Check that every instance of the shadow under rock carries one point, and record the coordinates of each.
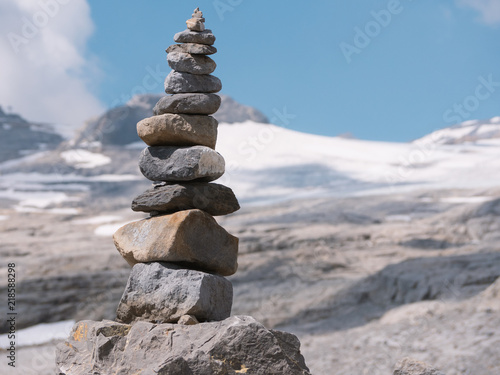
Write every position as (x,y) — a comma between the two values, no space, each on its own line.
(414,280)
(429,244)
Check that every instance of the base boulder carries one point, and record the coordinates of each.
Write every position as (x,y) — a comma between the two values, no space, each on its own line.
(237,345)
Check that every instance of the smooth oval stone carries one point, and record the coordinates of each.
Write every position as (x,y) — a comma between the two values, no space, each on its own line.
(214,199)
(194,48)
(193,104)
(194,64)
(178,130)
(201,37)
(179,82)
(178,164)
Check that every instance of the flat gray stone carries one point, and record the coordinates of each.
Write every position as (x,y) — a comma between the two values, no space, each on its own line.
(214,199)
(191,104)
(200,37)
(180,82)
(237,345)
(193,48)
(188,63)
(163,292)
(192,238)
(178,130)
(178,164)
(410,366)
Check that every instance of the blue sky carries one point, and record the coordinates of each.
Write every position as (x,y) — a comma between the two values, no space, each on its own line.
(381,70)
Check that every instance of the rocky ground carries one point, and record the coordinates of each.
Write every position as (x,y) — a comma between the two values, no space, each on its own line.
(363,281)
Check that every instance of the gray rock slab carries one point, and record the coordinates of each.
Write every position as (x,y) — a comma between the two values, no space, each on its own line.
(163,292)
(214,199)
(178,130)
(191,104)
(178,164)
(188,63)
(237,345)
(180,82)
(193,48)
(410,366)
(189,36)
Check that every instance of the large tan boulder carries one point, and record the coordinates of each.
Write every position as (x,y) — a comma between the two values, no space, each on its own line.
(192,238)
(178,130)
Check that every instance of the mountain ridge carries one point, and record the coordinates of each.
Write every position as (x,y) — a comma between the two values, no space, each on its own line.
(117,126)
(19,137)
(468,131)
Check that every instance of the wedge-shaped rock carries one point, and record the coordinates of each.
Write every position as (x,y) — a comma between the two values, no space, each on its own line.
(194,64)
(196,24)
(177,164)
(163,292)
(190,237)
(214,199)
(179,82)
(194,48)
(178,130)
(188,36)
(192,104)
(237,345)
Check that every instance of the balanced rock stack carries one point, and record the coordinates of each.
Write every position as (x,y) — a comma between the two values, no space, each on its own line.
(180,254)
(174,315)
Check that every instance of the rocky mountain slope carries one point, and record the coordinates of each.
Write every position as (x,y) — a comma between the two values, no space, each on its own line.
(19,137)
(362,281)
(368,251)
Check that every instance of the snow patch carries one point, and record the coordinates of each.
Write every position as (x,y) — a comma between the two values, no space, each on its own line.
(114,178)
(267,164)
(398,218)
(39,334)
(35,199)
(468,131)
(14,179)
(84,159)
(477,199)
(139,145)
(108,230)
(3,217)
(55,211)
(97,220)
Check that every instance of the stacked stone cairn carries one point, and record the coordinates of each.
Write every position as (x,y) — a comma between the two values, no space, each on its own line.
(174,315)
(180,254)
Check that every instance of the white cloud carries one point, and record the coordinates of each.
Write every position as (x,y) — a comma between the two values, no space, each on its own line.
(45,69)
(489,9)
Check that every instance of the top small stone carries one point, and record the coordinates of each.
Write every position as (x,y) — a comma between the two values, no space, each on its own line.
(197,22)
(198,14)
